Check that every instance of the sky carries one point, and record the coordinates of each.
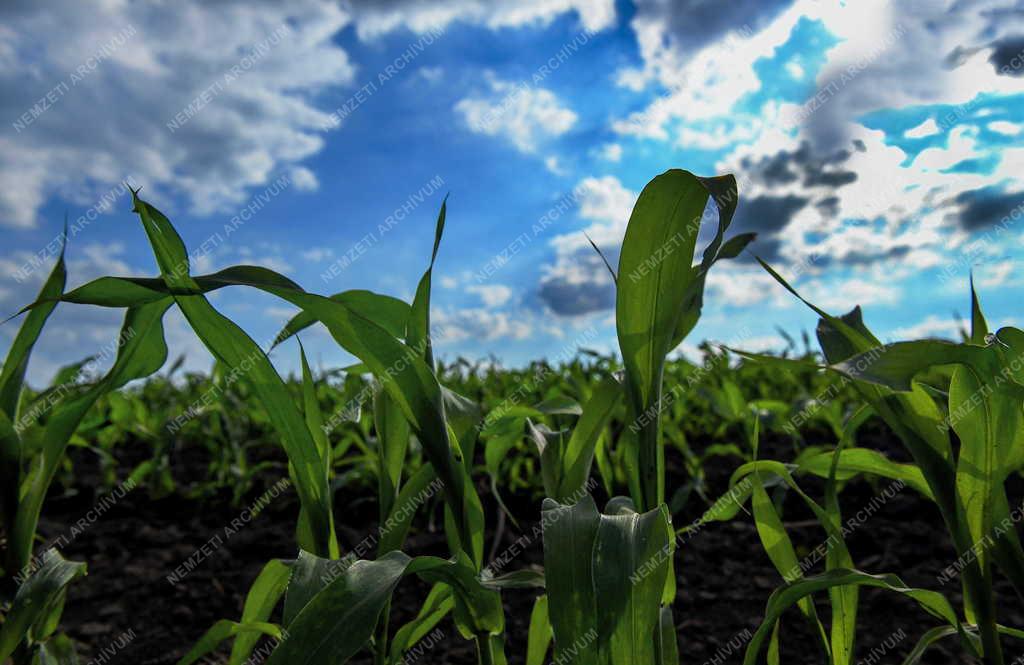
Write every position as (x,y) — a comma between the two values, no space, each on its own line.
(878,146)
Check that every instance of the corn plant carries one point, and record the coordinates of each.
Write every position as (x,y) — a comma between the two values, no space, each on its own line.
(34,434)
(331,609)
(609,576)
(925,391)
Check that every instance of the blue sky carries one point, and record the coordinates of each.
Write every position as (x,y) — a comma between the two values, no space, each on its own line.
(878,146)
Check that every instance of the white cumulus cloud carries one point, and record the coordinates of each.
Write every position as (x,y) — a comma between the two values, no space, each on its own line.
(524,115)
(197,100)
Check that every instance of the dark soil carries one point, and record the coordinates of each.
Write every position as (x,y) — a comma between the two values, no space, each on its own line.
(724,576)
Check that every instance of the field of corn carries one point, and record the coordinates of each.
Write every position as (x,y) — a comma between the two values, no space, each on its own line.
(843,502)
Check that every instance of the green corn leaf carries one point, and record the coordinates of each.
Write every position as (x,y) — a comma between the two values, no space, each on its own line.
(607,265)
(979,327)
(309,575)
(233,347)
(418,330)
(491,650)
(539,635)
(58,650)
(632,560)
(12,375)
(527,578)
(728,402)
(263,597)
(927,640)
(1007,551)
(389,313)
(46,624)
(416,491)
(895,365)
(478,611)
(550,446)
(659,294)
(1009,342)
(578,455)
(570,534)
(772,654)
(605,577)
(913,416)
(916,420)
(438,604)
(655,277)
(844,599)
(725,193)
(549,407)
(853,461)
(982,435)
(393,435)
(604,463)
(667,641)
(505,435)
(840,337)
(34,597)
(558,406)
(314,421)
(789,364)
(463,416)
(787,595)
(142,351)
(736,245)
(727,506)
(12,379)
(11,447)
(338,618)
(311,409)
(985,412)
(66,374)
(226,629)
(780,550)
(409,380)
(939,633)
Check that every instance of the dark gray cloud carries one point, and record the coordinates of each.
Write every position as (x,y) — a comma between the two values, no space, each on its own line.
(894,73)
(829,178)
(788,166)
(573,296)
(1008,56)
(693,24)
(828,206)
(857,258)
(983,208)
(766,216)
(773,170)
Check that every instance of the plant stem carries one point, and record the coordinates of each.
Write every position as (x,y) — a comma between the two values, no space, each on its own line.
(483,646)
(381,655)
(651,455)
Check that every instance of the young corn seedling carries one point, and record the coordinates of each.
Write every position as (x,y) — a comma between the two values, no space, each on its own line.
(332,606)
(924,390)
(34,435)
(609,577)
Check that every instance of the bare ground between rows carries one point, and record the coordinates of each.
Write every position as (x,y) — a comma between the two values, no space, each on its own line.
(724,576)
